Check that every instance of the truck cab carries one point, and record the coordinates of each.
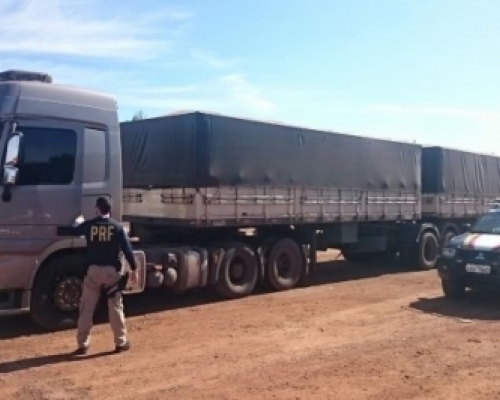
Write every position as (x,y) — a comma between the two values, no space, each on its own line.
(472,259)
(60,149)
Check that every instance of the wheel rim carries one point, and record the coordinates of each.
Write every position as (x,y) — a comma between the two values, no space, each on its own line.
(67,293)
(284,265)
(237,271)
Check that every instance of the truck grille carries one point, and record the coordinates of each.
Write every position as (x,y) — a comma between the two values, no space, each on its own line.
(478,256)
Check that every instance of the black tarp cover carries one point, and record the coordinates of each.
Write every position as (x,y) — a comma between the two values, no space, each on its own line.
(207,150)
(459,172)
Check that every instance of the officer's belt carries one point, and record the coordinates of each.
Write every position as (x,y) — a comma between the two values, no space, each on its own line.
(118,286)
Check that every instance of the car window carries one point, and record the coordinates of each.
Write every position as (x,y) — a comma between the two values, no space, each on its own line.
(489,223)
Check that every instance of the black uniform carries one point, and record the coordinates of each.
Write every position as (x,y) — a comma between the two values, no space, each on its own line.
(105,238)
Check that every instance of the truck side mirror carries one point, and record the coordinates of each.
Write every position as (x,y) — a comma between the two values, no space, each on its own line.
(11,165)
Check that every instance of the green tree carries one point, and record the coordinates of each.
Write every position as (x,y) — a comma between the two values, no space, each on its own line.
(138,115)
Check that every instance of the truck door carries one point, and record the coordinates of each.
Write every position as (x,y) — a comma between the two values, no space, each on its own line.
(47,193)
(95,173)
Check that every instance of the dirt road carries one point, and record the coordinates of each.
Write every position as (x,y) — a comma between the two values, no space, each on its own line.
(356,333)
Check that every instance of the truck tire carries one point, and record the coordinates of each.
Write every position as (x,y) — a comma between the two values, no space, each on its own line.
(285,265)
(262,252)
(427,251)
(448,235)
(453,288)
(56,293)
(238,272)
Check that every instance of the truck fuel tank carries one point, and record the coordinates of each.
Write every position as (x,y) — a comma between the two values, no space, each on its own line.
(179,268)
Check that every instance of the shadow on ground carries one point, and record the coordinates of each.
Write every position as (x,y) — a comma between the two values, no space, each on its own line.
(160,300)
(41,361)
(476,305)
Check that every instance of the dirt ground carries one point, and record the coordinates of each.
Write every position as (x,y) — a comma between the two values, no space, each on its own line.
(357,332)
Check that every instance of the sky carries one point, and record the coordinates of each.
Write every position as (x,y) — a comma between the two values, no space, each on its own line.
(424,71)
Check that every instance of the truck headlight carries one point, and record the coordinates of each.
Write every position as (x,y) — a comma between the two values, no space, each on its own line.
(449,252)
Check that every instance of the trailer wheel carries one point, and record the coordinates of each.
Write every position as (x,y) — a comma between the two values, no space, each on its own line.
(448,235)
(238,272)
(428,251)
(55,297)
(263,251)
(285,265)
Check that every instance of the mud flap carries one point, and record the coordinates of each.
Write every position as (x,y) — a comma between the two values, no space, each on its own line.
(140,285)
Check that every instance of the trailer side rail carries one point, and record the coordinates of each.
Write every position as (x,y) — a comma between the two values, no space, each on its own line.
(266,204)
(456,205)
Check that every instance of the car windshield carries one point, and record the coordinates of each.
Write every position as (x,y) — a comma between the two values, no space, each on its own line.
(489,223)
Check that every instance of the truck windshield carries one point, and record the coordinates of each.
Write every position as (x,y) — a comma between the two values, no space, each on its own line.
(489,223)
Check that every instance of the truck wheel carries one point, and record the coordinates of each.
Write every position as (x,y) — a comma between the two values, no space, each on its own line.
(285,265)
(263,251)
(238,272)
(448,235)
(428,251)
(453,288)
(55,297)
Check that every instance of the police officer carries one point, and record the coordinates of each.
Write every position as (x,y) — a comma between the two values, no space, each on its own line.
(105,238)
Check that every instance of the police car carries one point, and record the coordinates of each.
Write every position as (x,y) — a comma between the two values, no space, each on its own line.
(472,259)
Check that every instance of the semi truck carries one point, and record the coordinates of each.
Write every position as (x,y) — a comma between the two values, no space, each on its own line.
(211,201)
